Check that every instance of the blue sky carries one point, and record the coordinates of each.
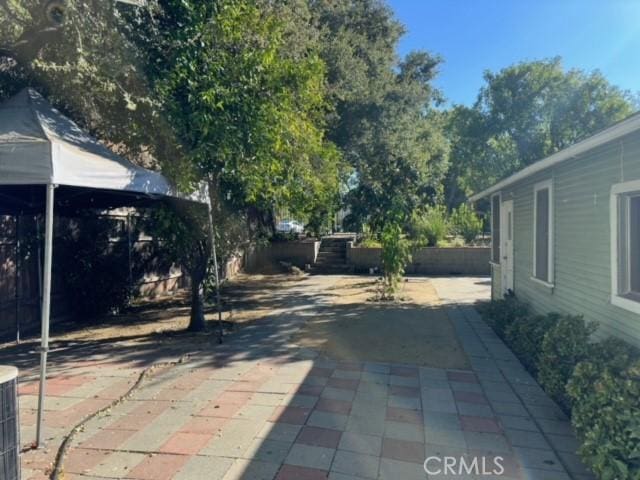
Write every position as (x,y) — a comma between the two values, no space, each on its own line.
(475,35)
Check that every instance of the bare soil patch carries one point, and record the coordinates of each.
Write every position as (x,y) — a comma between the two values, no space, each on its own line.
(416,330)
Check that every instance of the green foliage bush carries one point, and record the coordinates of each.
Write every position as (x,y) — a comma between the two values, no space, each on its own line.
(466,223)
(500,314)
(370,242)
(565,345)
(429,227)
(605,393)
(525,335)
(396,253)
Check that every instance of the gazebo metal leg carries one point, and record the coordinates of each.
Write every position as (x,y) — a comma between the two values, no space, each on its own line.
(46,308)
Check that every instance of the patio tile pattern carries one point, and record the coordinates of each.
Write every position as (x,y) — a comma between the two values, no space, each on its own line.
(287,413)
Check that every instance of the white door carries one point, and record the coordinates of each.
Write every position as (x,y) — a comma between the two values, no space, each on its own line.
(506,245)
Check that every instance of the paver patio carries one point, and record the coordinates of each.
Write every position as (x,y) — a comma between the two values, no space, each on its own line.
(261,407)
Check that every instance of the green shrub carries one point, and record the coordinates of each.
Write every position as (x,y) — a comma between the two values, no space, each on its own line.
(566,344)
(395,256)
(605,392)
(466,223)
(500,314)
(430,227)
(370,242)
(525,336)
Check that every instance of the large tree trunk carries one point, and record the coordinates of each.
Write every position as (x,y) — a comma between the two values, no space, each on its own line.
(197,322)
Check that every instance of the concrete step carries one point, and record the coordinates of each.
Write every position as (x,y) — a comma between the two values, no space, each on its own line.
(331,259)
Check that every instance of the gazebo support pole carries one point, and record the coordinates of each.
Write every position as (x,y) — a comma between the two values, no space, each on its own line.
(212,240)
(46,307)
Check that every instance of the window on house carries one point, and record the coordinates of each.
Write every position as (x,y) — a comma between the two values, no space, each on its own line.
(495,228)
(628,284)
(543,233)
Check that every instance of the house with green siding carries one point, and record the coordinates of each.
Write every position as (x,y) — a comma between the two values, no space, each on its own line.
(566,231)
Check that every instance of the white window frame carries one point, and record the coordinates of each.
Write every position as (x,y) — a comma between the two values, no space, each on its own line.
(618,191)
(546,184)
(492,260)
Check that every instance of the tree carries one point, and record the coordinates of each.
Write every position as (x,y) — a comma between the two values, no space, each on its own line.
(384,121)
(248,114)
(524,113)
(181,233)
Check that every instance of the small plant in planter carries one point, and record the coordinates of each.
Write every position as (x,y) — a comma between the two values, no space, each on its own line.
(396,254)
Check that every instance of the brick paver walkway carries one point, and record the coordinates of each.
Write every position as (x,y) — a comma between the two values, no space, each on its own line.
(258,407)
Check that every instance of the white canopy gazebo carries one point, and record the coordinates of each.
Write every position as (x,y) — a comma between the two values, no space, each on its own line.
(47,162)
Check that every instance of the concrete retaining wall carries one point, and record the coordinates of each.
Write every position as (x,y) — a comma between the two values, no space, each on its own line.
(428,261)
(296,253)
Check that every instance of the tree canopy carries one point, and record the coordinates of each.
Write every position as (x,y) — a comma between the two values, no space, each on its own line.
(384,119)
(524,113)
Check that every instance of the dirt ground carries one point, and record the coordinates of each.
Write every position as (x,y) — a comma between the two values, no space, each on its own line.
(348,325)
(415,330)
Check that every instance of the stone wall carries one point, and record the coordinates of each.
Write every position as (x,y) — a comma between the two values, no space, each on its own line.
(428,261)
(298,253)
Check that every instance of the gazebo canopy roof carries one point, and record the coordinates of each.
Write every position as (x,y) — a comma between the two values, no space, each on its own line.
(39,146)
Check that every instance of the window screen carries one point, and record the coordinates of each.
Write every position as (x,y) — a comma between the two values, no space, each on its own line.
(634,244)
(542,241)
(495,228)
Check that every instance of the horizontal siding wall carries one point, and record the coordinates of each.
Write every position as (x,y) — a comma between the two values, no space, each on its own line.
(581,189)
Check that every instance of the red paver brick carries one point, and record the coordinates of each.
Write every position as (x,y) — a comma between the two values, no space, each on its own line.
(52,389)
(401,391)
(310,389)
(353,366)
(333,406)
(470,397)
(80,460)
(467,377)
(224,410)
(404,415)
(345,383)
(140,416)
(107,439)
(320,372)
(479,424)
(204,425)
(245,386)
(76,380)
(403,450)
(28,388)
(40,459)
(237,398)
(186,443)
(293,415)
(319,437)
(158,467)
(404,371)
(293,472)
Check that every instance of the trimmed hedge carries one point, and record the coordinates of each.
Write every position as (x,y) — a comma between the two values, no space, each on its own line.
(605,393)
(565,345)
(597,382)
(525,336)
(500,314)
